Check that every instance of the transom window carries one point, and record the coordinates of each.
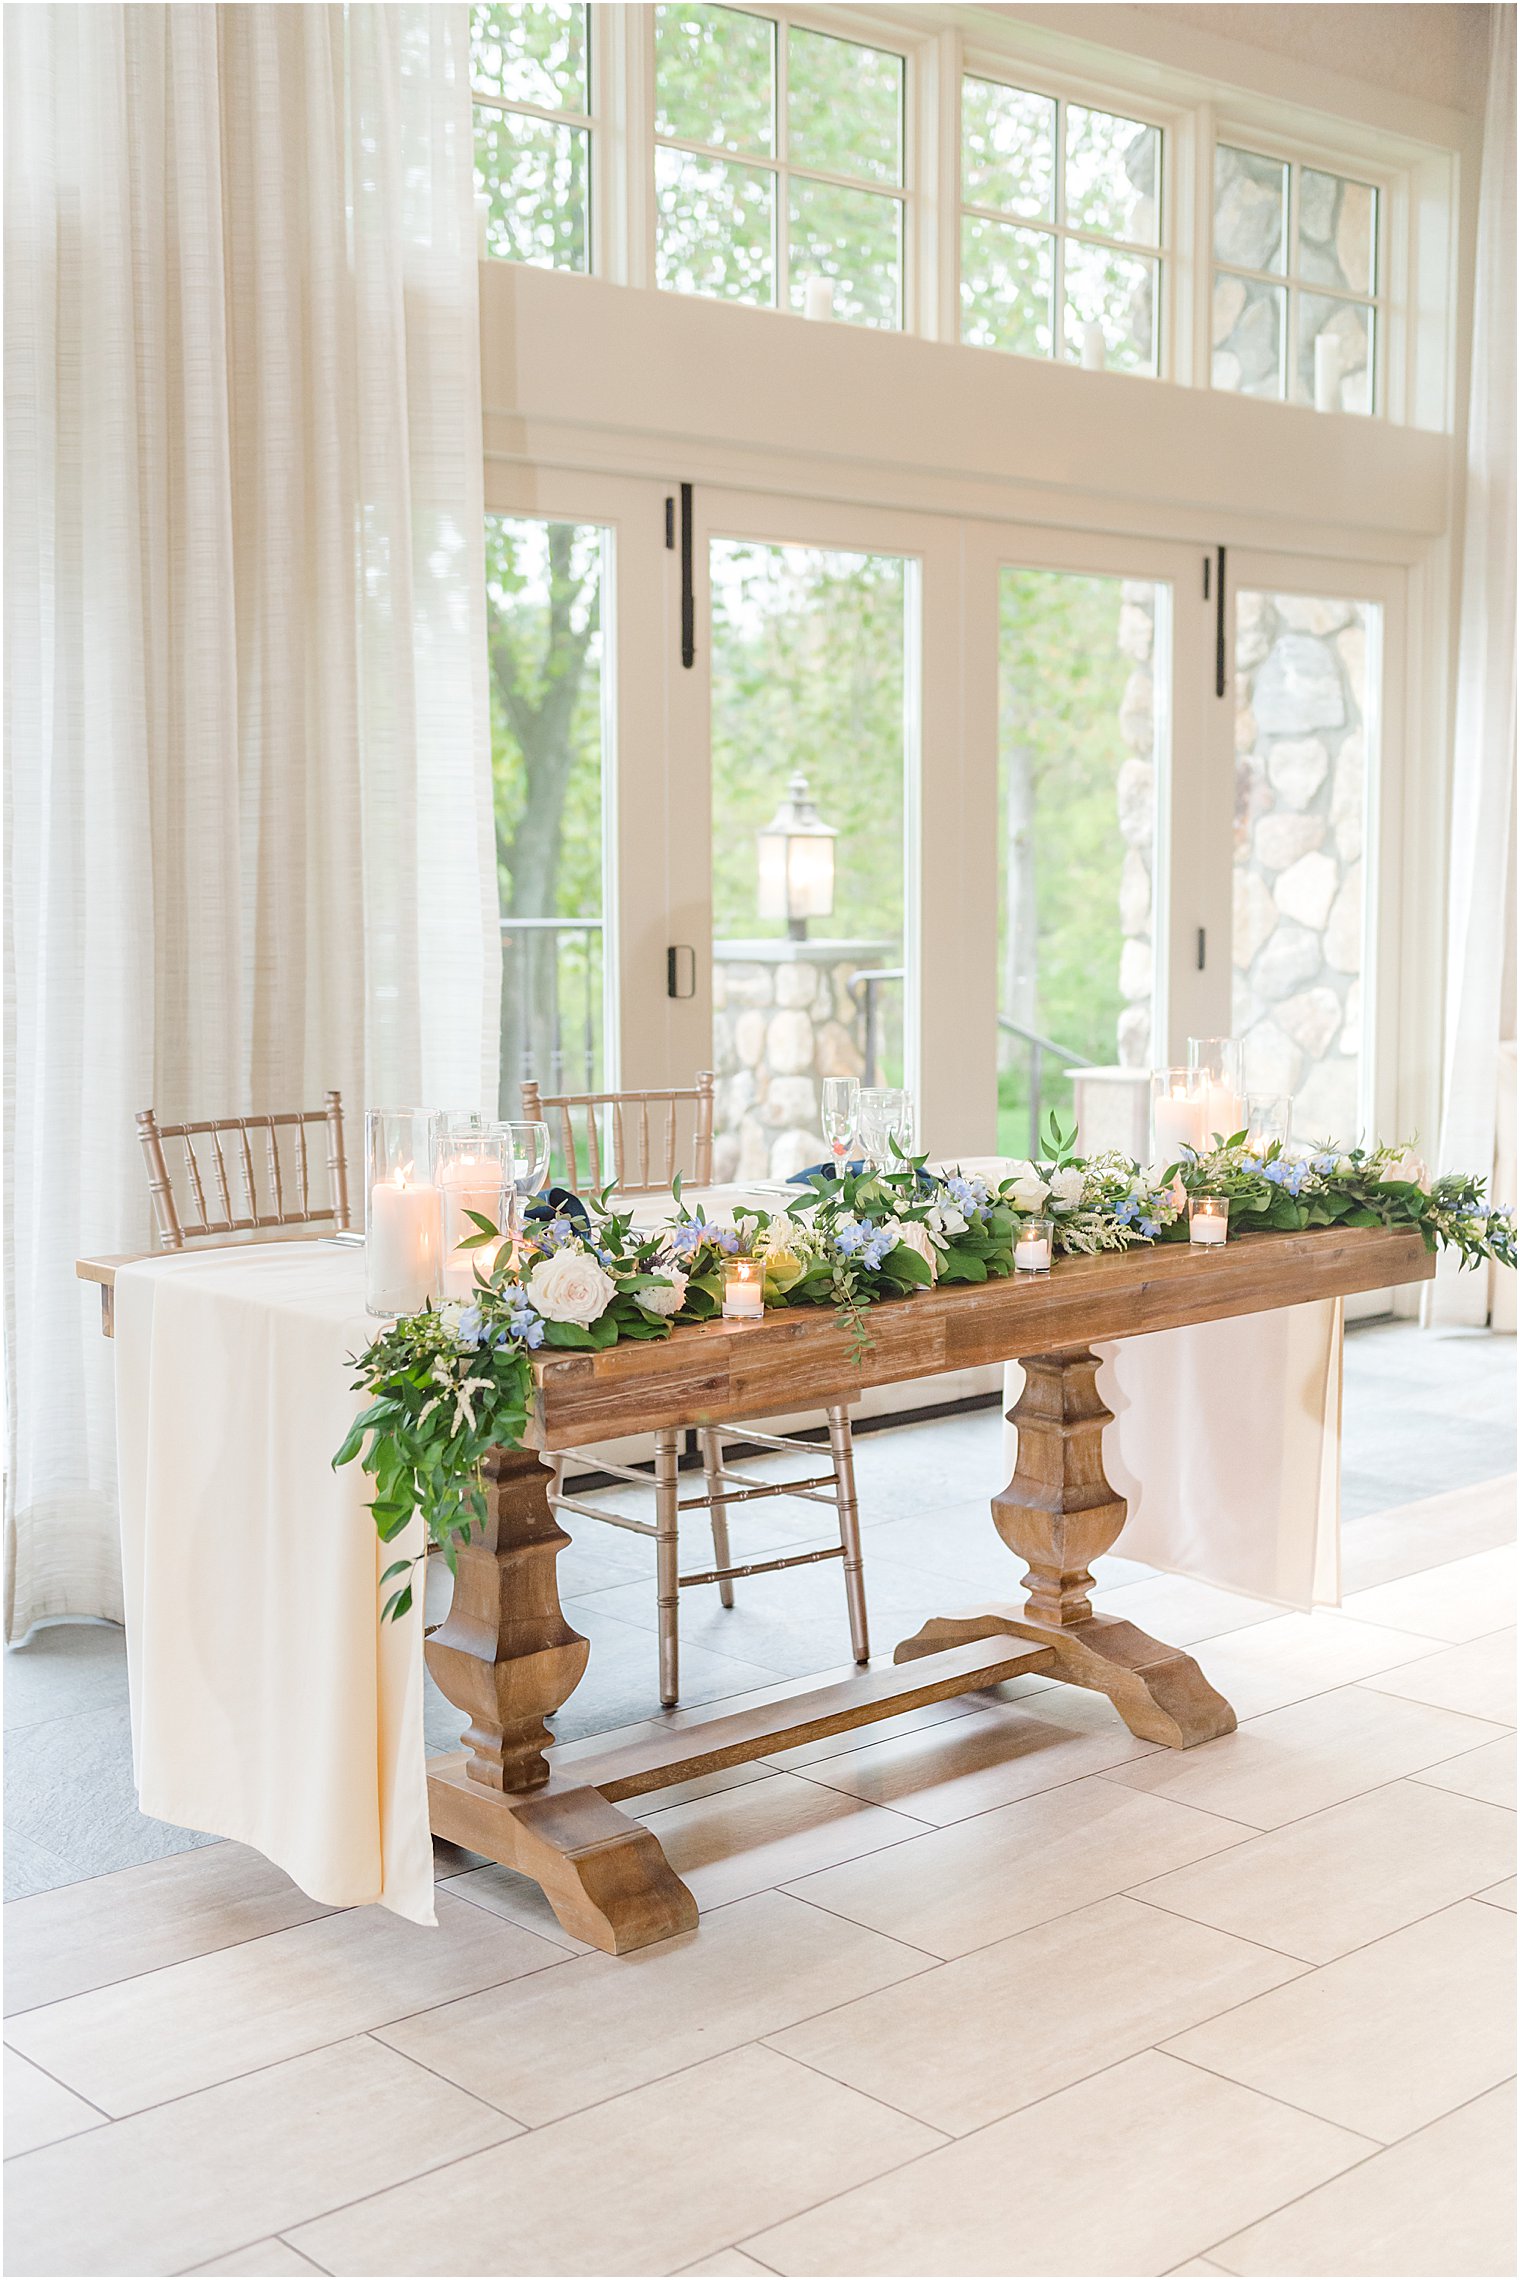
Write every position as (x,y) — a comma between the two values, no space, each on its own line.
(778,161)
(1060,228)
(530,76)
(1296,282)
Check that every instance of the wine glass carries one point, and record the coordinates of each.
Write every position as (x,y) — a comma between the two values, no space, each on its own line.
(841,1114)
(881,1111)
(532,1151)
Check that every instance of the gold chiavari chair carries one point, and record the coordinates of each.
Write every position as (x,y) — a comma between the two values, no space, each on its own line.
(245,1176)
(639,1140)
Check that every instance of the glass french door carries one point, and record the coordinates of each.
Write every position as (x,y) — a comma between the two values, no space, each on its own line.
(1313,989)
(582,605)
(962,805)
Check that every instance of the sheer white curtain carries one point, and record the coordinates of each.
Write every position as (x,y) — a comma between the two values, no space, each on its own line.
(1483,781)
(250,836)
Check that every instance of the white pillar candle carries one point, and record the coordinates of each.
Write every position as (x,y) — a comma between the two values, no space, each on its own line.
(1327,372)
(818,298)
(1178,1120)
(1031,1255)
(1094,348)
(402,1246)
(743,1291)
(1223,1112)
(470,1183)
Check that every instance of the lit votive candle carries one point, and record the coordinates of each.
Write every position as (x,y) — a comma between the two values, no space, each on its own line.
(1033,1246)
(818,299)
(1208,1219)
(743,1290)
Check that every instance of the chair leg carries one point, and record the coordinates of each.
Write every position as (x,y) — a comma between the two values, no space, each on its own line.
(842,1448)
(710,1442)
(667,1557)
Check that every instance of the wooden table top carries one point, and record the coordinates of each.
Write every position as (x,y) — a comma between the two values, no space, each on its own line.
(799,1357)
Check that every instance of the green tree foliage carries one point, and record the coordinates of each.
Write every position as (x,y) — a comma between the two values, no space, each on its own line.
(1061,686)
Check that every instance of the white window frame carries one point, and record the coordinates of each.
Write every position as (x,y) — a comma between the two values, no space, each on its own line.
(587,123)
(1064,92)
(861,28)
(1296,158)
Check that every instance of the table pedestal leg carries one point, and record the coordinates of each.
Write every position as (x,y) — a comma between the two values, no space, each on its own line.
(1060,1514)
(508,1659)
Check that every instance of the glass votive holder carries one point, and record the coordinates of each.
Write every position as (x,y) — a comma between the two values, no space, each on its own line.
(403,1221)
(743,1290)
(1268,1118)
(1176,1115)
(1034,1246)
(1208,1220)
(474,1174)
(1217,1068)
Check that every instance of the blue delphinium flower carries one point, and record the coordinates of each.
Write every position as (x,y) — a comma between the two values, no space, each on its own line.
(686,1238)
(471,1328)
(1125,1210)
(726,1240)
(877,1247)
(1254,1164)
(850,1236)
(526,1324)
(604,1255)
(970,1195)
(1148,1226)
(1323,1164)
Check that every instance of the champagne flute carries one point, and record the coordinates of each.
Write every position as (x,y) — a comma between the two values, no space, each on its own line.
(841,1114)
(881,1109)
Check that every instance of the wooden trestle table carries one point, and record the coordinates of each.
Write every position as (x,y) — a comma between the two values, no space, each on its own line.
(507,1657)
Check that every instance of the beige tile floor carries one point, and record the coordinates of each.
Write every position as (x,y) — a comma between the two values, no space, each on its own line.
(995,1990)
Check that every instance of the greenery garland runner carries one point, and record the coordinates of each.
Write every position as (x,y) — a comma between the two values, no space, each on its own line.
(452,1383)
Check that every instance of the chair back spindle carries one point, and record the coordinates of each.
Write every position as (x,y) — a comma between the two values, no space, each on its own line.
(261,1202)
(645,1150)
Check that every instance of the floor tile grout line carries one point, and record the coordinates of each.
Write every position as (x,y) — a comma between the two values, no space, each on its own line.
(1462,1900)
(328,1915)
(1374,2145)
(59,2084)
(1297,1820)
(1391,2146)
(267,2066)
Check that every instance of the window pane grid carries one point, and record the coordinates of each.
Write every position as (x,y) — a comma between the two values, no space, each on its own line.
(1325,238)
(532,97)
(1090,281)
(854,208)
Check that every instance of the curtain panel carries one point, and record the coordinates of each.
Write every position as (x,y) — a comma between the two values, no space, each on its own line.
(250,842)
(1480,915)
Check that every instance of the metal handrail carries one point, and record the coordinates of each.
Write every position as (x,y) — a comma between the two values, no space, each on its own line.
(1038,1048)
(543,1035)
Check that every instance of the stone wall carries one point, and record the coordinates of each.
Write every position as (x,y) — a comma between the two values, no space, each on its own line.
(783,1019)
(1300,799)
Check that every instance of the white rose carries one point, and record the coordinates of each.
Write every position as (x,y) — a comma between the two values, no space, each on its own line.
(656,1300)
(915,1237)
(569,1286)
(1028,1189)
(450,1315)
(1406,1166)
(1067,1186)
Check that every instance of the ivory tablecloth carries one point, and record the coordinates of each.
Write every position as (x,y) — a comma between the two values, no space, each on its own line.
(269,1704)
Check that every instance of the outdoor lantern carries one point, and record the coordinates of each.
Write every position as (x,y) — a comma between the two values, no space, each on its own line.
(797,862)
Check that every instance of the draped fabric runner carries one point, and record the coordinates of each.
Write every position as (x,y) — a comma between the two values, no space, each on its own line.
(1226,1446)
(269,1703)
